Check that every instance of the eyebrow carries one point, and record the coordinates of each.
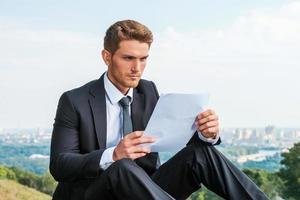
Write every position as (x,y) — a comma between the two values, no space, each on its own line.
(127,55)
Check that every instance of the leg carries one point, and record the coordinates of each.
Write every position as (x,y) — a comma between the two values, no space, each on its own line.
(124,179)
(196,164)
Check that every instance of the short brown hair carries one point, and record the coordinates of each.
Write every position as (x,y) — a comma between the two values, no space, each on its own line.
(126,30)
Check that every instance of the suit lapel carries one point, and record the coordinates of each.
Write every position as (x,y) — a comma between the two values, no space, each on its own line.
(137,111)
(97,103)
(98,106)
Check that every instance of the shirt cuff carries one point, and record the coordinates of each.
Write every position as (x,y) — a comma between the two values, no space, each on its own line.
(107,158)
(209,140)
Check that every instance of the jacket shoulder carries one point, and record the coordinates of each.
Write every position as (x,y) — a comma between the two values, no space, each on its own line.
(78,95)
(82,89)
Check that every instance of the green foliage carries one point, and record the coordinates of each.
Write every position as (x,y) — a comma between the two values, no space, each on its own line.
(11,190)
(285,182)
(44,183)
(269,183)
(26,178)
(290,172)
(203,194)
(6,173)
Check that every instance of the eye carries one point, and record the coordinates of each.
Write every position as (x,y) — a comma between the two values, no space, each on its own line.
(128,58)
(144,59)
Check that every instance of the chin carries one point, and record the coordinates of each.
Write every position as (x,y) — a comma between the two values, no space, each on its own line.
(133,84)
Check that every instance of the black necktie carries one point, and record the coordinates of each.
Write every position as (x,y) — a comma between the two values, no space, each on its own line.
(127,123)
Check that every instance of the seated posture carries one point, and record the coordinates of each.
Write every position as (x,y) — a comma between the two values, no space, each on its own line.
(98,129)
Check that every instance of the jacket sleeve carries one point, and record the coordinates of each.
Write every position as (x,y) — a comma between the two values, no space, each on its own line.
(197,141)
(67,163)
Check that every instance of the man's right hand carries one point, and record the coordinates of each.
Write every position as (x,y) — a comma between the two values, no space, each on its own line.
(129,146)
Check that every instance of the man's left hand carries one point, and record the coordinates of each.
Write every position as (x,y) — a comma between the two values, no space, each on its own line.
(207,123)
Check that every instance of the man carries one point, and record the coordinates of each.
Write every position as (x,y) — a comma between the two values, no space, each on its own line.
(98,129)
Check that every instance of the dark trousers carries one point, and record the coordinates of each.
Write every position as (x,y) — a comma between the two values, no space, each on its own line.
(176,179)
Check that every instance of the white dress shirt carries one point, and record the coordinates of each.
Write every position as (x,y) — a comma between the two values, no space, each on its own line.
(114,117)
(114,120)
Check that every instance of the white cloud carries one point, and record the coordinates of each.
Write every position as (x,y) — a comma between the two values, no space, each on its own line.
(36,66)
(251,68)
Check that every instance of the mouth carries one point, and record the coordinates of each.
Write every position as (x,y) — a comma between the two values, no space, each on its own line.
(134,77)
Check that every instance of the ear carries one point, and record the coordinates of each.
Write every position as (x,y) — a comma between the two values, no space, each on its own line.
(106,56)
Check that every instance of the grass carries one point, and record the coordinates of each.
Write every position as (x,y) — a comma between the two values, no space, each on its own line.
(11,190)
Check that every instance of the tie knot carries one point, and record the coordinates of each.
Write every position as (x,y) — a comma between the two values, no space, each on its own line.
(125,101)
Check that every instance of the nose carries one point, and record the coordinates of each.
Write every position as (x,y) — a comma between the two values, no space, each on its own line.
(136,66)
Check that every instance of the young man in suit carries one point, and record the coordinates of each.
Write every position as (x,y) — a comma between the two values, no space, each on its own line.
(98,129)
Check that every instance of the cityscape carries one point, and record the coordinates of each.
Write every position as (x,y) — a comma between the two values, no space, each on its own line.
(246,147)
(262,146)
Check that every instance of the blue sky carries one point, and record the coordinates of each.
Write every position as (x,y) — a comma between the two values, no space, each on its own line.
(95,15)
(244,53)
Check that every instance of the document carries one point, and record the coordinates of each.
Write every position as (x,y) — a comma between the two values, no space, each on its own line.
(172,122)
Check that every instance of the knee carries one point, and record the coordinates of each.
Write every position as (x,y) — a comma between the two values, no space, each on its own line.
(124,164)
(121,169)
(205,153)
(203,148)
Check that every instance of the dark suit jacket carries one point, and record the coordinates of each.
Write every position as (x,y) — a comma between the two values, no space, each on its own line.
(79,135)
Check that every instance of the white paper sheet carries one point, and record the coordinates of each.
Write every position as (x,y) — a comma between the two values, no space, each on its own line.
(172,121)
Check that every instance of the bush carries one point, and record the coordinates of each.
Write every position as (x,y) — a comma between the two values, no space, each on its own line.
(44,183)
(269,183)
(6,173)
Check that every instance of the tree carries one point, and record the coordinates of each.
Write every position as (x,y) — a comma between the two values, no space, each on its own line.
(25,177)
(7,173)
(203,194)
(269,183)
(46,183)
(290,172)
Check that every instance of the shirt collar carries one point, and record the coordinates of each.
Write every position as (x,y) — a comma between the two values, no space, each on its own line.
(113,93)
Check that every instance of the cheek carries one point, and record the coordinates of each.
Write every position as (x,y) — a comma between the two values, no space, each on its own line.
(119,68)
(143,67)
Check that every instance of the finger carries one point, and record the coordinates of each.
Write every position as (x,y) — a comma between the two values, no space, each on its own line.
(128,142)
(206,113)
(134,134)
(209,135)
(138,149)
(208,125)
(207,119)
(143,140)
(212,131)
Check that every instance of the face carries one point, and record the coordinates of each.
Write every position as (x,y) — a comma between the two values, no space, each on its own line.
(127,64)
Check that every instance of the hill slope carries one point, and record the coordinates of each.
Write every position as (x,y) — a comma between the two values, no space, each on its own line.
(11,190)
